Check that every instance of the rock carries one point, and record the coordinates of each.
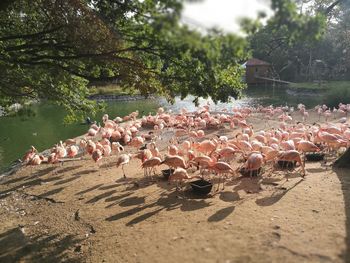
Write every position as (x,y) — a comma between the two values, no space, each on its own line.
(92,230)
(76,215)
(276,234)
(77,248)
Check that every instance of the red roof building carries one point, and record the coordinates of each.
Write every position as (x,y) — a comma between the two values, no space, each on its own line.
(257,68)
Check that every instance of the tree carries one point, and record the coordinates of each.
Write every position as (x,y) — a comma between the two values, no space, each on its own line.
(53,49)
(294,55)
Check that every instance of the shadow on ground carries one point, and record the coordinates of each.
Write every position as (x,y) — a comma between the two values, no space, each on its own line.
(344,178)
(16,247)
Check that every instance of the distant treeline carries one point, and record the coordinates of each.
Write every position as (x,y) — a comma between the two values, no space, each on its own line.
(327,58)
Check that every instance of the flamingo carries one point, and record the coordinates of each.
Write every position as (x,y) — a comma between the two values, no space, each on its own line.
(36,160)
(174,162)
(173,150)
(205,147)
(221,169)
(117,147)
(307,146)
(291,156)
(179,176)
(150,164)
(29,154)
(72,151)
(123,160)
(254,162)
(96,155)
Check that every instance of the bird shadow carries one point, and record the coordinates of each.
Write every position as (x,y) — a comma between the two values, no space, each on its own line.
(84,172)
(275,196)
(51,192)
(228,196)
(108,165)
(23,185)
(51,179)
(167,202)
(248,185)
(107,187)
(41,172)
(221,214)
(69,168)
(274,181)
(67,180)
(143,217)
(17,247)
(89,189)
(343,176)
(100,196)
(132,201)
(115,199)
(14,180)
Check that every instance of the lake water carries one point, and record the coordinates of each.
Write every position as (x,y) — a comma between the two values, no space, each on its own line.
(46,128)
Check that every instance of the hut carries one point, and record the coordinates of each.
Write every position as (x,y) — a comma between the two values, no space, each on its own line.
(256,68)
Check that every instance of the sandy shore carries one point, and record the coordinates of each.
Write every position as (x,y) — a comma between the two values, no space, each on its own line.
(78,213)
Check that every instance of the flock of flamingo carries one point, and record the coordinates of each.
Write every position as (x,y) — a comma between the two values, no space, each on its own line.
(189,148)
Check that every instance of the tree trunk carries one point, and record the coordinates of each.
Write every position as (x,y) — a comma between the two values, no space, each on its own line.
(343,161)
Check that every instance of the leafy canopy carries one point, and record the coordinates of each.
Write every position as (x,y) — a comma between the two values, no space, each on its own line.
(314,30)
(54,49)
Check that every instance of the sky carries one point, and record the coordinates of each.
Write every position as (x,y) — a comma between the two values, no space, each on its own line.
(223,14)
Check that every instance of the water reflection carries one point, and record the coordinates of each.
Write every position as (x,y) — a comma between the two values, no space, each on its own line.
(46,128)
(261,95)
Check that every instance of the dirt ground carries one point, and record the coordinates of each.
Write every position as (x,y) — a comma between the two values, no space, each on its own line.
(78,213)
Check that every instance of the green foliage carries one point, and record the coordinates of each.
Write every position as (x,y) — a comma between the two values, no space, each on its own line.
(55,50)
(296,37)
(293,25)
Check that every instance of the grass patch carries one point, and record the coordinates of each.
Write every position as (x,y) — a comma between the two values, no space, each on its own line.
(326,85)
(111,90)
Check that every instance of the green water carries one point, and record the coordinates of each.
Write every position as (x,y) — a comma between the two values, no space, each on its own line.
(46,128)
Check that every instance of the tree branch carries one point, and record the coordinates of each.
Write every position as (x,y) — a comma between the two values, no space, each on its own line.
(330,7)
(28,36)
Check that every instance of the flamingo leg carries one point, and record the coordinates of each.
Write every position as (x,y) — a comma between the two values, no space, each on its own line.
(98,168)
(154,173)
(218,184)
(123,171)
(177,185)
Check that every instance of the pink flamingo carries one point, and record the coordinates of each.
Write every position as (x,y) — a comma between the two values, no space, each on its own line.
(150,164)
(123,160)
